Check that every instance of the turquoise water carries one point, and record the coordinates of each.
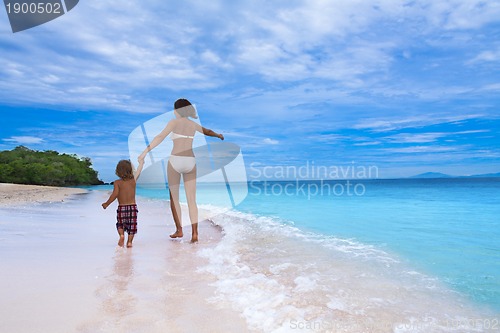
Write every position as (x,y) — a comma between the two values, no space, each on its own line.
(447,228)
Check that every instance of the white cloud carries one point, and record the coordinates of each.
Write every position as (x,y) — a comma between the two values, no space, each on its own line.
(426,137)
(422,149)
(328,138)
(270,141)
(24,140)
(486,56)
(414,138)
(368,143)
(467,14)
(104,59)
(134,56)
(379,125)
(495,87)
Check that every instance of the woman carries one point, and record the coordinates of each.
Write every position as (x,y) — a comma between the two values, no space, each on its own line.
(182,162)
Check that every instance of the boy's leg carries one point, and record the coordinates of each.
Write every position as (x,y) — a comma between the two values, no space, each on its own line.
(130,239)
(119,226)
(131,225)
(122,237)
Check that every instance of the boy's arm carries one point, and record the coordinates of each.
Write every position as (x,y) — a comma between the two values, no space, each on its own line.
(113,195)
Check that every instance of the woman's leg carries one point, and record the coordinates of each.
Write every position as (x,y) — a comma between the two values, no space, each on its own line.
(175,217)
(174,180)
(190,187)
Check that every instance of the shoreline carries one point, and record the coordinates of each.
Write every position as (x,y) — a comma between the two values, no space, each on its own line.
(244,268)
(18,194)
(157,282)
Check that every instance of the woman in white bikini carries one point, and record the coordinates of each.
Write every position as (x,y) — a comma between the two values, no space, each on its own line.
(182,162)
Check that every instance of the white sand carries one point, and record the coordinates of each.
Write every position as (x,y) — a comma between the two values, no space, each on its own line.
(12,194)
(61,270)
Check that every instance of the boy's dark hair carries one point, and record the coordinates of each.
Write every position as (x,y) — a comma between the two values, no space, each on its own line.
(124,170)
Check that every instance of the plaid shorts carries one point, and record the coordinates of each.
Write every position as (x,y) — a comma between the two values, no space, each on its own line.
(126,217)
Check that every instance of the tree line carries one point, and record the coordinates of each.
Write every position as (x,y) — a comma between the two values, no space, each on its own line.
(25,166)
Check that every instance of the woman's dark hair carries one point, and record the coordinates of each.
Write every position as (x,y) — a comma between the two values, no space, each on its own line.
(181,102)
(185,108)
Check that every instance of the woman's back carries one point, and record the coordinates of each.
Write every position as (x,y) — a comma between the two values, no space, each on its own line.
(182,136)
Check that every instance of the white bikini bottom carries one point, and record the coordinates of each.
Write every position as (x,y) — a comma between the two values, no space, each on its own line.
(182,164)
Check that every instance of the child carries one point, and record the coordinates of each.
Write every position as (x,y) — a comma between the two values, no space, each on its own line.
(124,190)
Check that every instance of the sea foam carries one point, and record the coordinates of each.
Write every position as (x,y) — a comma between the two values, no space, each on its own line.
(281,279)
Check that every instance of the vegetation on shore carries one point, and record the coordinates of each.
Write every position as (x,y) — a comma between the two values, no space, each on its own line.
(25,166)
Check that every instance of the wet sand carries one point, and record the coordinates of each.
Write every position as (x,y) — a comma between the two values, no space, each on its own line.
(65,273)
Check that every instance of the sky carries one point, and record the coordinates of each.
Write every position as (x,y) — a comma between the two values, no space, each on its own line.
(406,86)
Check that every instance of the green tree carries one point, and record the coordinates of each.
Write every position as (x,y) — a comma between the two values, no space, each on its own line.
(25,166)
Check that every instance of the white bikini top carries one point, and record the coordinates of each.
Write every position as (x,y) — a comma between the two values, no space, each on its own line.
(175,136)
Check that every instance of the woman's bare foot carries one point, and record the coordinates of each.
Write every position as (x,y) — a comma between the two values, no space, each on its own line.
(194,238)
(121,240)
(194,232)
(129,244)
(177,234)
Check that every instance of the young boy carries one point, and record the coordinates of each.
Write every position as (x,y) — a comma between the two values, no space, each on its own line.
(124,190)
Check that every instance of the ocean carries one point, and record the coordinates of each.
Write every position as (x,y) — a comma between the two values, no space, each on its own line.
(419,255)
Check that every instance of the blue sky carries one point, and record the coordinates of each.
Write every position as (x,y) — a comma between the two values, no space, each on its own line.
(408,86)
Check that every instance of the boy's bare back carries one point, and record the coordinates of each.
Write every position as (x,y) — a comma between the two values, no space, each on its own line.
(126,191)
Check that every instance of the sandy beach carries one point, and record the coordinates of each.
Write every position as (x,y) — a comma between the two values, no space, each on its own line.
(249,273)
(14,194)
(65,273)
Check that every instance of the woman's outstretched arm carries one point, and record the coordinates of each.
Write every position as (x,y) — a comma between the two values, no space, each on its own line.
(209,132)
(157,140)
